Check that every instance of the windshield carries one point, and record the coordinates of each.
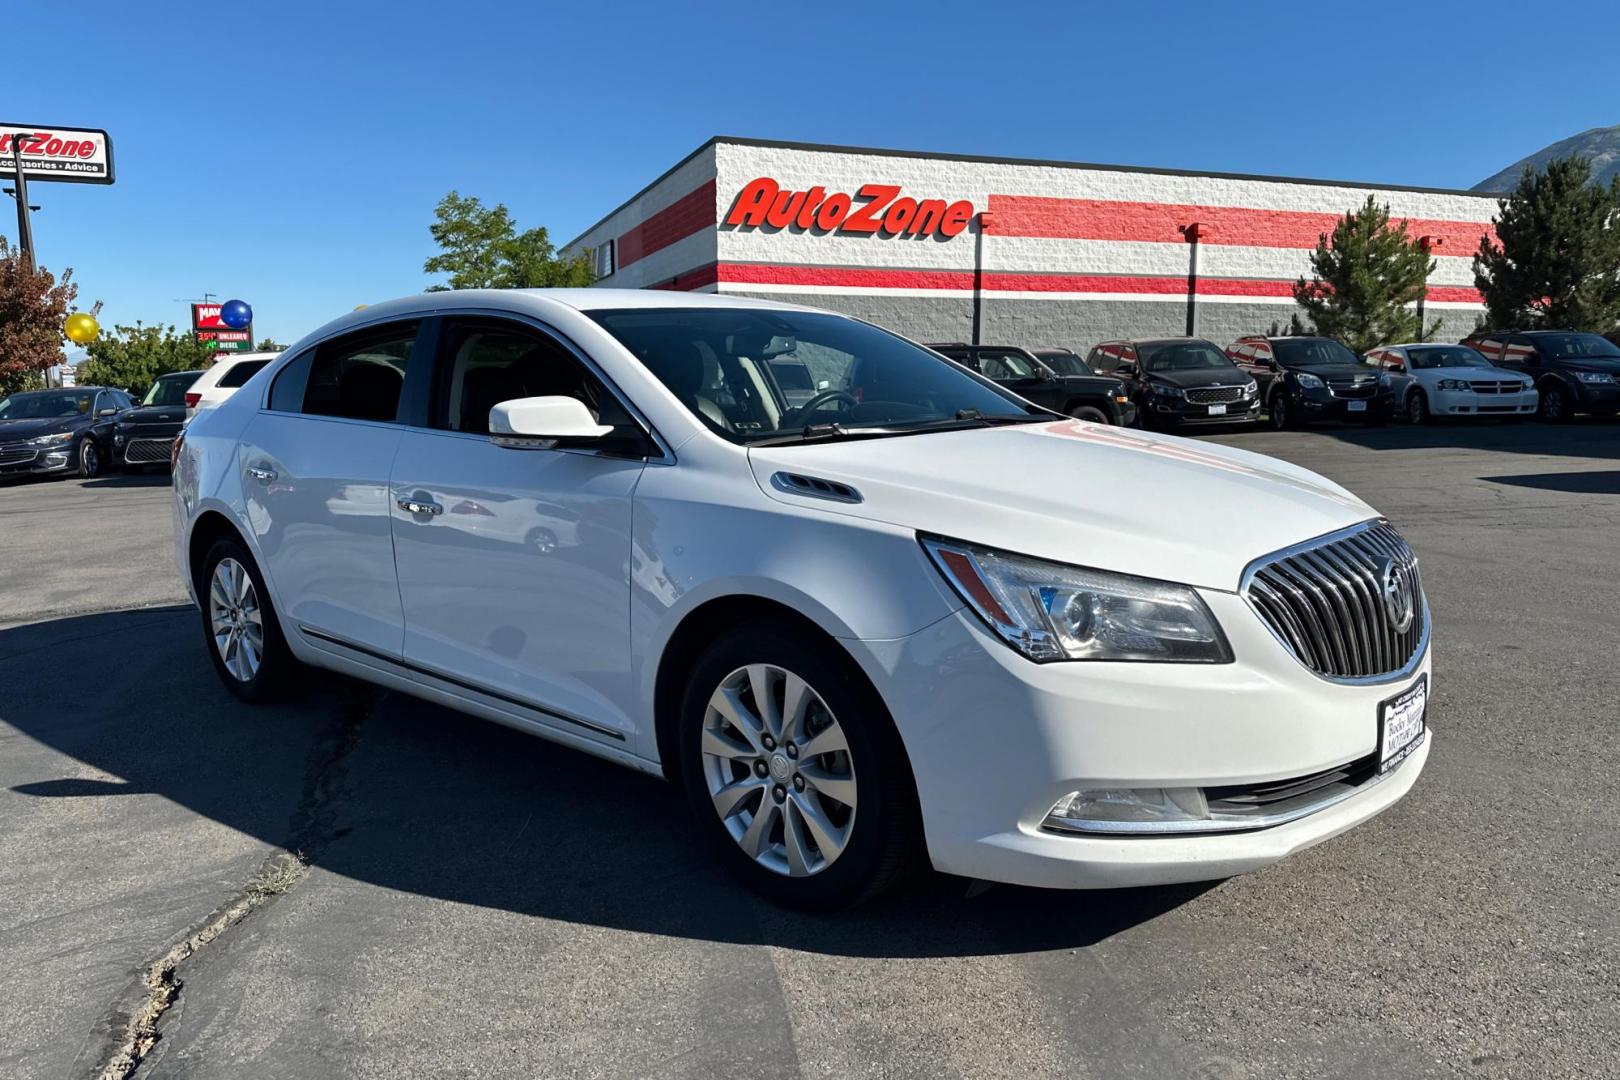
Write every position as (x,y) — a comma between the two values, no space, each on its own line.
(43,404)
(1441,356)
(722,365)
(170,389)
(1063,362)
(1311,352)
(1574,346)
(1181,356)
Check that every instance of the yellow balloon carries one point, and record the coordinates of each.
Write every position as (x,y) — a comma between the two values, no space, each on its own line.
(81,328)
(361,307)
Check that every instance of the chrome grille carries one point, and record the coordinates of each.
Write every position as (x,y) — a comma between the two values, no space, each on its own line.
(1513,387)
(12,455)
(1324,600)
(1214,395)
(1354,386)
(148,451)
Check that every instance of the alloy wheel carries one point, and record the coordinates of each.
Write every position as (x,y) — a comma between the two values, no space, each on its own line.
(778,770)
(1417,410)
(236,620)
(89,459)
(1552,404)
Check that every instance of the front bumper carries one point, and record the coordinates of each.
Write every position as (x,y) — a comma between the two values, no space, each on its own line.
(1599,398)
(1319,405)
(1468,403)
(26,461)
(1179,412)
(995,741)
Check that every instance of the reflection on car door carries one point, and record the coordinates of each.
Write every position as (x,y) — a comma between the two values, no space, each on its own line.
(315,484)
(514,563)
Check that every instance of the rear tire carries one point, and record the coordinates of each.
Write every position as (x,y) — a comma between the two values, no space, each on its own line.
(856,849)
(240,628)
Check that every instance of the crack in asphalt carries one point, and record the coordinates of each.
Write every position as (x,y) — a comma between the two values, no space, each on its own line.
(313,827)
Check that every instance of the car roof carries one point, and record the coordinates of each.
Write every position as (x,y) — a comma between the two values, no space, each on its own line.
(1166,341)
(236,358)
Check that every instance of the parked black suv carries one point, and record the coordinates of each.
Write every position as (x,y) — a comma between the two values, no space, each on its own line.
(1098,398)
(145,435)
(1576,373)
(59,431)
(1306,379)
(1178,382)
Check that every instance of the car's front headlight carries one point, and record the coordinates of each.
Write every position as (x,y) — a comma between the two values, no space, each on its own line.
(1250,388)
(1307,381)
(1452,384)
(1162,390)
(50,440)
(1050,611)
(1594,376)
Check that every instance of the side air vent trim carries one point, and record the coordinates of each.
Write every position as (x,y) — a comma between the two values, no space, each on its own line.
(814,487)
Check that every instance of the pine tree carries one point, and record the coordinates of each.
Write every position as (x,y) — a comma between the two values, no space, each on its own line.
(1556,262)
(1367,275)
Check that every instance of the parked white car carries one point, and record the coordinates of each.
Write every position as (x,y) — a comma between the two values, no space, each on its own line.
(1427,381)
(911,617)
(223,378)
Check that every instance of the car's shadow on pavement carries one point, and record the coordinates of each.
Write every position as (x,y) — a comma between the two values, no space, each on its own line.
(394,792)
(145,479)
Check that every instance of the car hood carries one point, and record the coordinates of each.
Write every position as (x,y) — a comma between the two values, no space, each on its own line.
(13,430)
(1591,363)
(1336,371)
(154,414)
(1116,499)
(1201,377)
(1470,373)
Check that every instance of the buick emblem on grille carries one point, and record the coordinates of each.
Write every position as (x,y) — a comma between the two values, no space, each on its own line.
(1399,603)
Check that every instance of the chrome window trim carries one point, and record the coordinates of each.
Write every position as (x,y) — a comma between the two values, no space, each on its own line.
(1084,827)
(1419,653)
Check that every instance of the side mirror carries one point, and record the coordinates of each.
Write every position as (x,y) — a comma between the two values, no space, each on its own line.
(107,412)
(539,423)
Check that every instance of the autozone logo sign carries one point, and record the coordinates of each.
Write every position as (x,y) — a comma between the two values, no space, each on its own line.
(874,208)
(76,155)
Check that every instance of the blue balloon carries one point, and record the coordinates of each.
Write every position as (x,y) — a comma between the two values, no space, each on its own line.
(236,314)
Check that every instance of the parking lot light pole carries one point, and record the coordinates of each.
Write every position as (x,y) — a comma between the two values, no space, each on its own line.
(985,221)
(1426,244)
(1192,232)
(25,231)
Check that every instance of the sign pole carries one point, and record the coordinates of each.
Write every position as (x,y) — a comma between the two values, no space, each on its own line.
(25,230)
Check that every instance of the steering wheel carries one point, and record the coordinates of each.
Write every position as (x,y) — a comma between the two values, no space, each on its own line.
(817,402)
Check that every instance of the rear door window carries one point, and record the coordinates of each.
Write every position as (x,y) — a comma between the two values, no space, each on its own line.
(360,376)
(239,373)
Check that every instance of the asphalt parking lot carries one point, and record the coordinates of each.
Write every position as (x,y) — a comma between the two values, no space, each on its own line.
(472,902)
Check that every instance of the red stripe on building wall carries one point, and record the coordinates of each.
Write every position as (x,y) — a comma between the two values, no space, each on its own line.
(993,281)
(692,212)
(1105,219)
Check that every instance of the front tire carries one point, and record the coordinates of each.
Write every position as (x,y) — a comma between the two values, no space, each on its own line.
(1417,409)
(1280,413)
(794,770)
(1089,414)
(89,459)
(1556,407)
(239,624)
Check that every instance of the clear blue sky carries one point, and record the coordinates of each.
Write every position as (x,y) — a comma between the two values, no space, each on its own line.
(290,154)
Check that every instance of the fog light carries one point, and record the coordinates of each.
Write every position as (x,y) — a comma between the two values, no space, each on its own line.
(56,457)
(1114,806)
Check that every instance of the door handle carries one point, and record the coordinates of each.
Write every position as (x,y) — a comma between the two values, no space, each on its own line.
(263,476)
(419,506)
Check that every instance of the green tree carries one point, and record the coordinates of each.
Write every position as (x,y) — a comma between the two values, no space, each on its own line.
(1367,274)
(480,248)
(33,304)
(268,345)
(133,357)
(1557,263)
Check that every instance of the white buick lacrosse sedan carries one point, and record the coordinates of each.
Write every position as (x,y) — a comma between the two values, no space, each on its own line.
(911,616)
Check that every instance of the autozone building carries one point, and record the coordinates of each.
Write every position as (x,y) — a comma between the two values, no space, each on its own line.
(958,248)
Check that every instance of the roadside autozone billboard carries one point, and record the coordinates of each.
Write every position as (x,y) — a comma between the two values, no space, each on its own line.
(67,155)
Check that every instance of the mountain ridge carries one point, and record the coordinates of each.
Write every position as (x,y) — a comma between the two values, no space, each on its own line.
(1600,146)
